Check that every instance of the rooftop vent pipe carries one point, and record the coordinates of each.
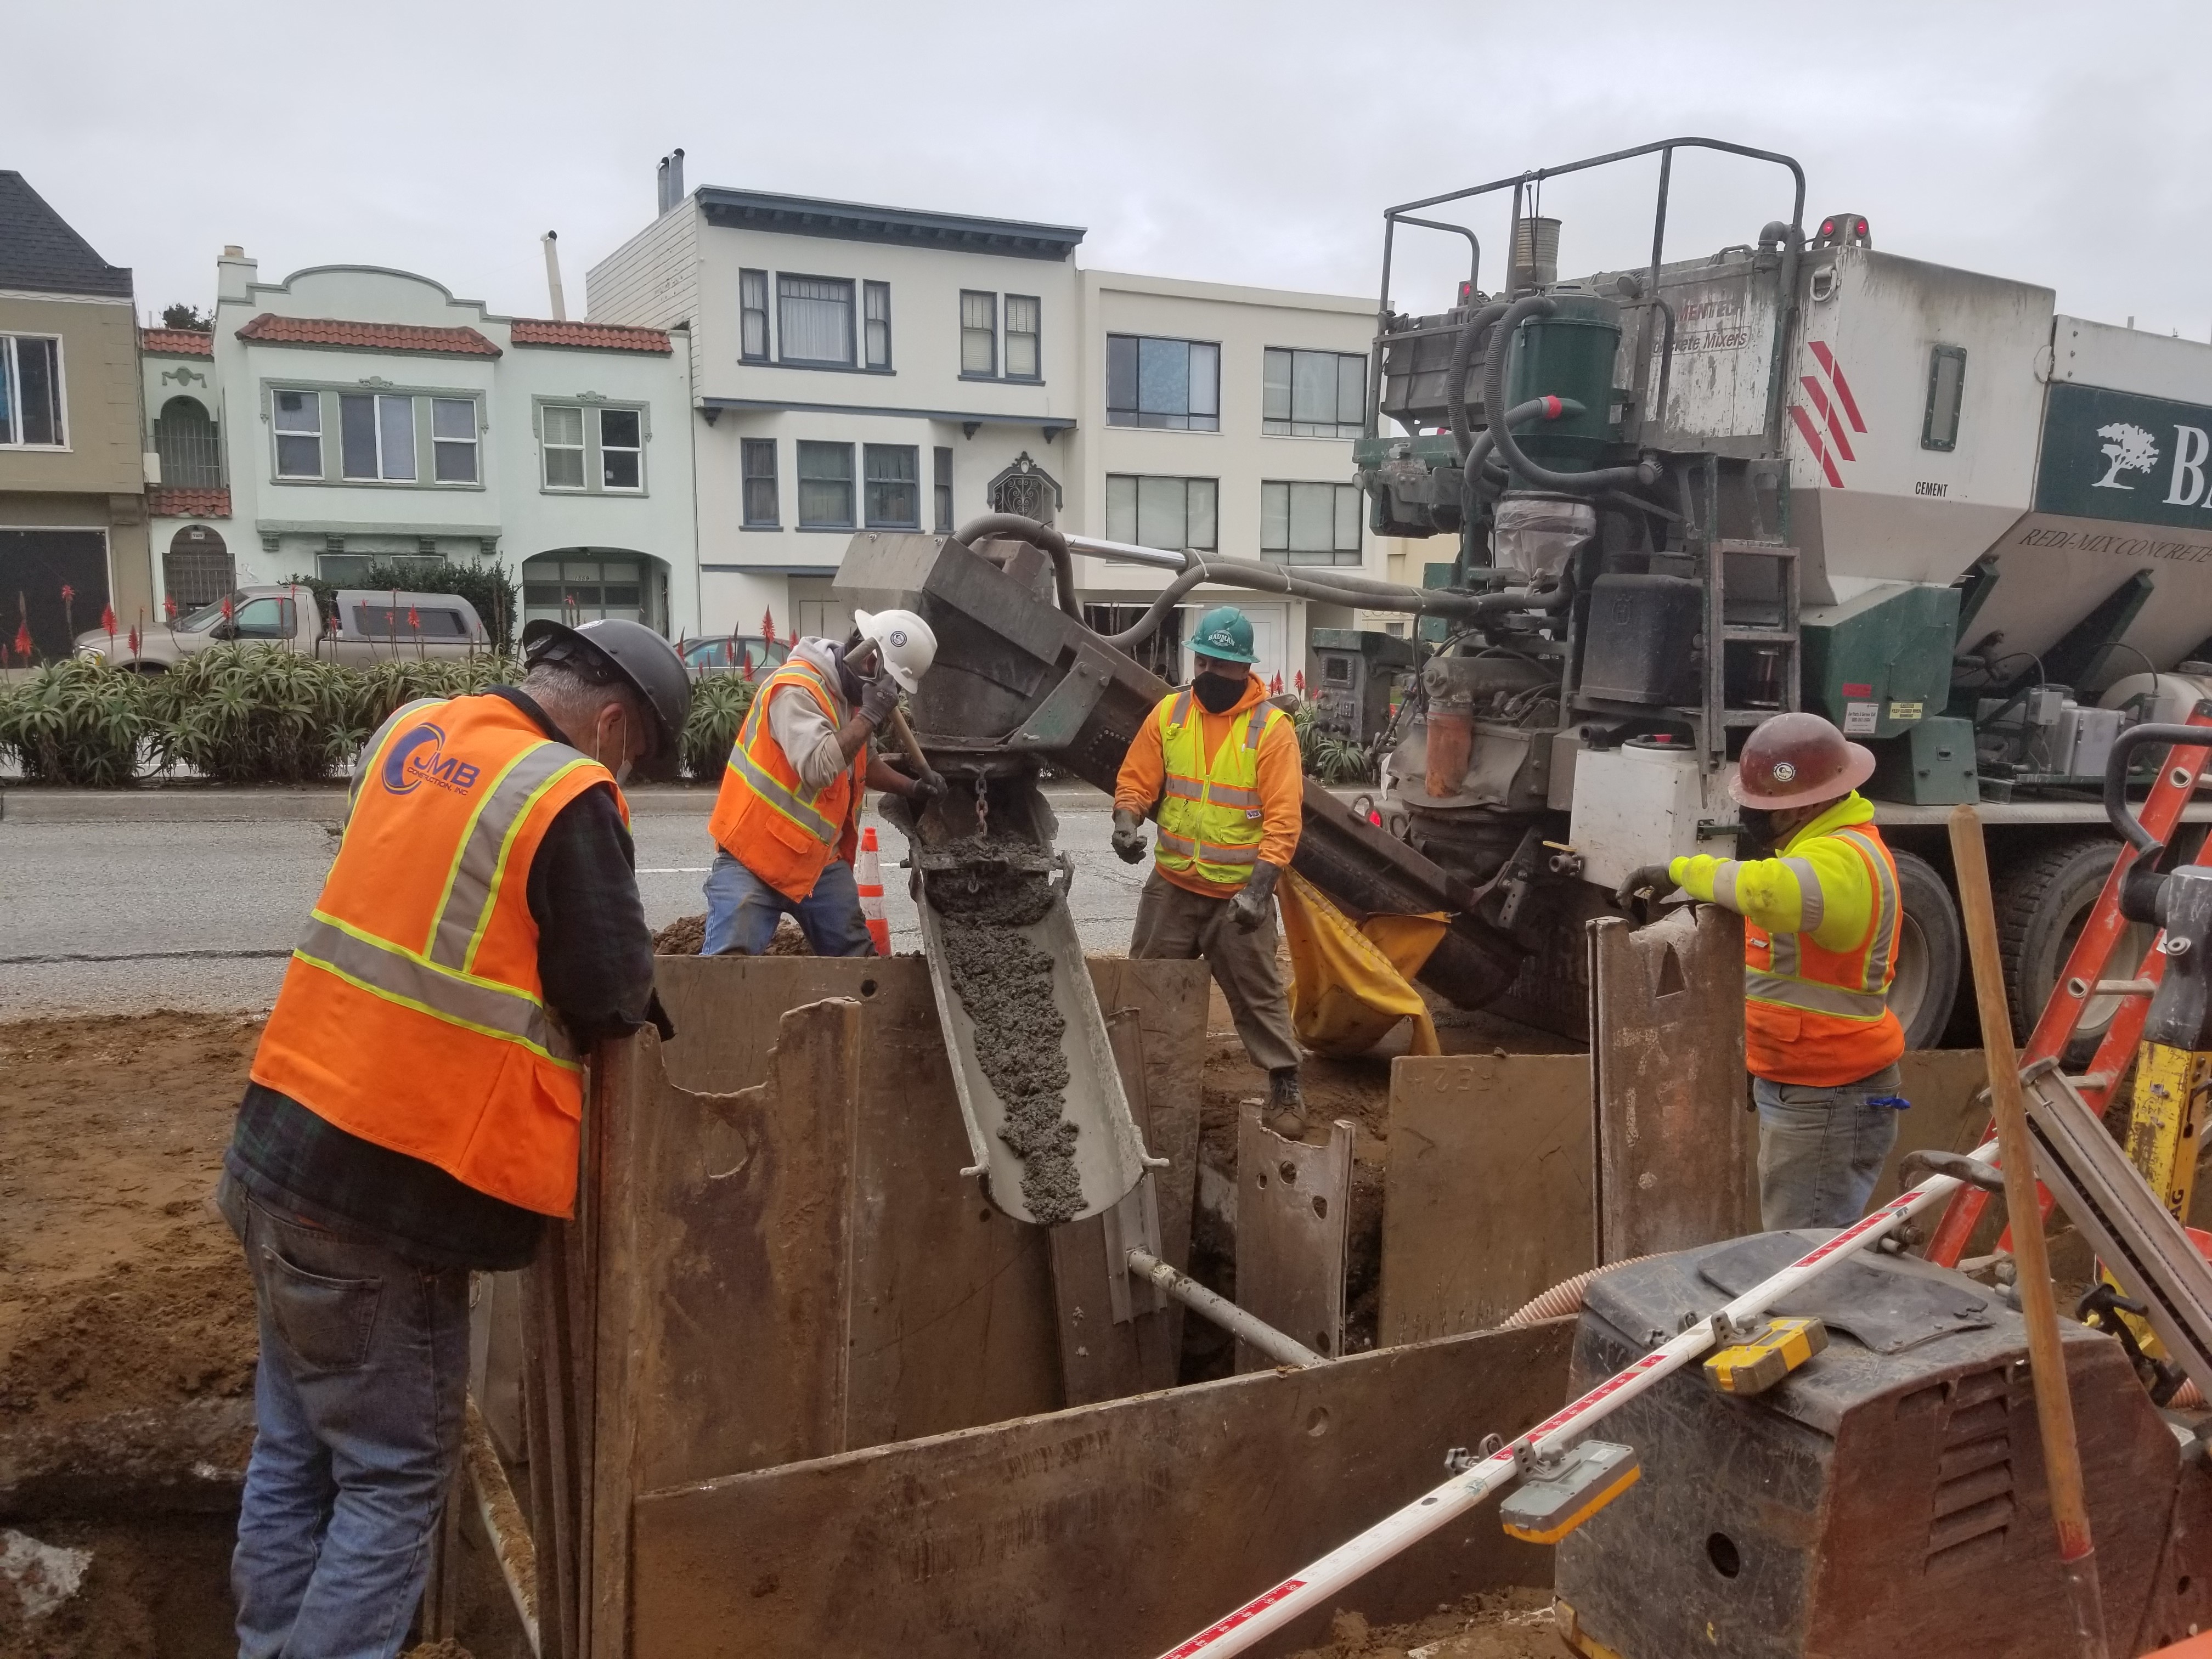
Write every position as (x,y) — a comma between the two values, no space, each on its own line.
(553,275)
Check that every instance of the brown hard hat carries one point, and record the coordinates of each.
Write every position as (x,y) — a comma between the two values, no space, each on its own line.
(1796,760)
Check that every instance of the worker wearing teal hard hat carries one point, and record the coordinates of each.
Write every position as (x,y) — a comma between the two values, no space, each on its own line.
(1220,764)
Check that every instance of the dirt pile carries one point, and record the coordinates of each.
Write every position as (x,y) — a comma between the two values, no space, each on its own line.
(1004,981)
(1514,1624)
(686,935)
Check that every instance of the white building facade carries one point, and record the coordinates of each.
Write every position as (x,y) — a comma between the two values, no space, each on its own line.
(351,414)
(856,367)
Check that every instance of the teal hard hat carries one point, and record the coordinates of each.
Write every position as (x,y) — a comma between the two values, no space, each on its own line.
(1224,633)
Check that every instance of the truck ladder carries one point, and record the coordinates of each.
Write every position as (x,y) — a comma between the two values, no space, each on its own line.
(2082,979)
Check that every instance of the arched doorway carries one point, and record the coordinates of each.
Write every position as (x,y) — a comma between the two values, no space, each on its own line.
(184,437)
(197,569)
(579,584)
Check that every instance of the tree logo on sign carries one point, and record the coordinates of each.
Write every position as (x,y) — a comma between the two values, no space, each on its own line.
(2129,449)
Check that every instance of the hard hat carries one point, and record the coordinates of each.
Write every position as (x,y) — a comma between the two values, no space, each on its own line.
(614,649)
(1224,633)
(907,644)
(1796,760)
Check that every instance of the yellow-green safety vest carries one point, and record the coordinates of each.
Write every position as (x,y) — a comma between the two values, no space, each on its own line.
(1210,817)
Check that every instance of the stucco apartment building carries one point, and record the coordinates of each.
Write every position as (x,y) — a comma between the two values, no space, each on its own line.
(350,414)
(73,469)
(856,367)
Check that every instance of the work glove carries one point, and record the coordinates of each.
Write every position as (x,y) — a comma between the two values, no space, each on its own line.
(1129,844)
(1651,878)
(878,698)
(929,787)
(1249,908)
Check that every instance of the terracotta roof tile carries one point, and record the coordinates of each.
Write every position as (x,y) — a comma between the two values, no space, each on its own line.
(178,501)
(176,342)
(604,337)
(367,337)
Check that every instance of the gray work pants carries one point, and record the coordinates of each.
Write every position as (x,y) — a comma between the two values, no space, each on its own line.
(1177,924)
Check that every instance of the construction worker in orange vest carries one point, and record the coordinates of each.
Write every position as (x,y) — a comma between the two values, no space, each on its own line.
(1221,763)
(414,1105)
(1819,950)
(787,821)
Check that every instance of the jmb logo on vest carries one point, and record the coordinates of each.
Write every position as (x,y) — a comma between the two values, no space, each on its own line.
(418,756)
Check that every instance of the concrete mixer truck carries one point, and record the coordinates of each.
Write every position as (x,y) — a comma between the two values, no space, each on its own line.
(1797,472)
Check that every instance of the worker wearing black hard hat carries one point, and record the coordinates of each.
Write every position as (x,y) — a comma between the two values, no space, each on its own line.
(1819,950)
(413,1110)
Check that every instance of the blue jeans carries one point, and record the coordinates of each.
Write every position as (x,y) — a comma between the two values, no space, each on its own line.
(357,1406)
(742,911)
(1821,1150)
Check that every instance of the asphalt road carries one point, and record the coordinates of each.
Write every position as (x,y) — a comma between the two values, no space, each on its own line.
(125,916)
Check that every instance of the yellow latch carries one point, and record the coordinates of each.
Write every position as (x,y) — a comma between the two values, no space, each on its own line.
(1757,1363)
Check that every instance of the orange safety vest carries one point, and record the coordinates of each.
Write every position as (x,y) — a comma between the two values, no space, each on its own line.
(1821,1017)
(765,817)
(412,1013)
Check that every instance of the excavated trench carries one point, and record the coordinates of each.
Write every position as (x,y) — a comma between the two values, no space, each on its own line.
(1004,981)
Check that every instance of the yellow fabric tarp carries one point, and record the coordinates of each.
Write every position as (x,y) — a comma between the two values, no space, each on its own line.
(1353,983)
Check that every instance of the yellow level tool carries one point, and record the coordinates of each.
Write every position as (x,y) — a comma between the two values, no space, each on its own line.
(1758,1362)
(1551,1503)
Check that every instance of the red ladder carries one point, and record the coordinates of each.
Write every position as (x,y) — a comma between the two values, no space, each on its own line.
(2079,982)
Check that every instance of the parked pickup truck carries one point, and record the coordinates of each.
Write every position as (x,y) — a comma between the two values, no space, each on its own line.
(368,626)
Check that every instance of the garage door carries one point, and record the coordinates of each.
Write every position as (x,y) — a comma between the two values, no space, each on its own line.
(35,565)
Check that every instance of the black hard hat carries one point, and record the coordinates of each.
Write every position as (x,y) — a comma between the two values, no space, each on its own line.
(647,663)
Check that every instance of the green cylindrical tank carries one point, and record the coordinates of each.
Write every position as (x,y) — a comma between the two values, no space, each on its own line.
(1569,353)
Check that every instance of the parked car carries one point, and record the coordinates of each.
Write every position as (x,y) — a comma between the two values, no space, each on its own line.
(366,627)
(730,654)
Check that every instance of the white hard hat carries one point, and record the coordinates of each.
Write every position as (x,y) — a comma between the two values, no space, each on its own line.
(909,644)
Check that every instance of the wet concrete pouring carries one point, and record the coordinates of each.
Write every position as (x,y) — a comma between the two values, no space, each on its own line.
(1004,981)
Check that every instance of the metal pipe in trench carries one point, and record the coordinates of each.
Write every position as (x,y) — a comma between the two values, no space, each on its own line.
(503,1524)
(1282,1350)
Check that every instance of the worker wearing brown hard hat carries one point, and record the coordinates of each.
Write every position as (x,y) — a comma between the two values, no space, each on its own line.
(1820,949)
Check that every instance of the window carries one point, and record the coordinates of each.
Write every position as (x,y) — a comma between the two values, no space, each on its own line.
(454,439)
(564,447)
(757,464)
(1174,513)
(622,449)
(979,333)
(264,619)
(876,299)
(584,590)
(376,438)
(894,479)
(299,421)
(941,479)
(1309,523)
(1947,379)
(185,439)
(30,392)
(826,486)
(1175,384)
(416,621)
(752,310)
(814,320)
(1022,360)
(1313,394)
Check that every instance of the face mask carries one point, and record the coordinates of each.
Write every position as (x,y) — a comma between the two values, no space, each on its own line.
(1758,828)
(1217,693)
(621,768)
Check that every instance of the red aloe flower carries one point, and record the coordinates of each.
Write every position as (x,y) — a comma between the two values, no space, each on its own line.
(23,645)
(1300,679)
(1275,686)
(107,620)
(134,639)
(170,605)
(768,623)
(414,621)
(226,607)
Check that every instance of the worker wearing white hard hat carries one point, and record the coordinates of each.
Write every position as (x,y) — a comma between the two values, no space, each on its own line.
(786,824)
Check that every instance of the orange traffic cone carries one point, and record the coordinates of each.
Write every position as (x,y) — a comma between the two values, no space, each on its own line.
(868,876)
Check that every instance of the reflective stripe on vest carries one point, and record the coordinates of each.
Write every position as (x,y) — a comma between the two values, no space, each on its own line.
(385,970)
(798,803)
(1210,820)
(1781,982)
(480,865)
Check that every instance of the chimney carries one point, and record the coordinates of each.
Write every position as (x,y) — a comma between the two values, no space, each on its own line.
(660,190)
(553,275)
(233,273)
(675,176)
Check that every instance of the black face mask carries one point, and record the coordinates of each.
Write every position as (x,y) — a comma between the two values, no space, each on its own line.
(1758,830)
(1217,693)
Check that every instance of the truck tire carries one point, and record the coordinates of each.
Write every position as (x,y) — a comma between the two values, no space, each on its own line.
(2041,904)
(1931,947)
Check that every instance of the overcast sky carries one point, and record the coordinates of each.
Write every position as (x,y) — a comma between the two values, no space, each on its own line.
(2067,145)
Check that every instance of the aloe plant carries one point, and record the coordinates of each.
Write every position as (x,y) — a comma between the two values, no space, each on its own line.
(77,721)
(719,704)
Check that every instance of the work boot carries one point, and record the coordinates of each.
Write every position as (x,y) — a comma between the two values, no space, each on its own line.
(1286,1104)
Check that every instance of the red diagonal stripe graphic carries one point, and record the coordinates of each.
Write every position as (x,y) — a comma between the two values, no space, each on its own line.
(1828,414)
(1812,435)
(1843,386)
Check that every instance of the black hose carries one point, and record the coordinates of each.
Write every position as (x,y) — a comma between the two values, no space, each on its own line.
(1481,475)
(2116,777)
(1493,394)
(1462,358)
(1042,537)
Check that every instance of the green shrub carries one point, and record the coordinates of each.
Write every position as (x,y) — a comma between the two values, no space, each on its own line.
(378,690)
(718,702)
(77,722)
(486,586)
(1329,756)
(249,714)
